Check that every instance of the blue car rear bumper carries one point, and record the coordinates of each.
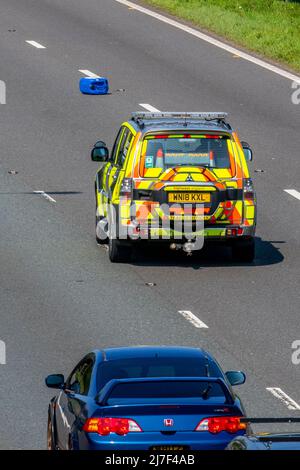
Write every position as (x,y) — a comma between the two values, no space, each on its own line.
(147,441)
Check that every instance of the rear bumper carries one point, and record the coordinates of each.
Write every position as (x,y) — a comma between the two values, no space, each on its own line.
(224,233)
(146,441)
(127,226)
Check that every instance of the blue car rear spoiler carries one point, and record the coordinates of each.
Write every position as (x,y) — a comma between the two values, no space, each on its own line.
(102,397)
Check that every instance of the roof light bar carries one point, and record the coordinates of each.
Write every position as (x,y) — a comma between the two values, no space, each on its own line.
(180,115)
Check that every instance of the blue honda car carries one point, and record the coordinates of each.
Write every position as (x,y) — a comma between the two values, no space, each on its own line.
(145,398)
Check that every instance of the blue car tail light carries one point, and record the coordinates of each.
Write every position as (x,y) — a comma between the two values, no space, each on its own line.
(105,426)
(214,425)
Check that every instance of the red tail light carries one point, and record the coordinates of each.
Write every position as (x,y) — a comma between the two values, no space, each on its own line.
(233,232)
(249,189)
(105,426)
(231,424)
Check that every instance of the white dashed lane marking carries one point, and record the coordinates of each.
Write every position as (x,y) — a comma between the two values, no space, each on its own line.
(188,315)
(88,73)
(282,396)
(293,192)
(36,44)
(45,195)
(150,108)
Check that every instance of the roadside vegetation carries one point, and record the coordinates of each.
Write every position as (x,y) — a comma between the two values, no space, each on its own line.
(268,27)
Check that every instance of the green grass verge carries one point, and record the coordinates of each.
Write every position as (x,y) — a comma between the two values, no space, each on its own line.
(268,27)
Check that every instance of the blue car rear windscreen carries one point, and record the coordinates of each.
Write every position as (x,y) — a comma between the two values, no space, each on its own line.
(141,367)
(185,392)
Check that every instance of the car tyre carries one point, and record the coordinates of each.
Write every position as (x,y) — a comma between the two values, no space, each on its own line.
(104,238)
(70,444)
(50,442)
(244,251)
(118,252)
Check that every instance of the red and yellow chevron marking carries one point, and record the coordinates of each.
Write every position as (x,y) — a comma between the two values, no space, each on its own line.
(243,171)
(236,217)
(233,212)
(132,168)
(157,186)
(249,212)
(222,173)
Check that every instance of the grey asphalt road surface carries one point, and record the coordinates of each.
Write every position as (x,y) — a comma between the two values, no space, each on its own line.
(60,296)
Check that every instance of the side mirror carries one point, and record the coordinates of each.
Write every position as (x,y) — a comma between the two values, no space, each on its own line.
(55,381)
(247,151)
(236,377)
(100,152)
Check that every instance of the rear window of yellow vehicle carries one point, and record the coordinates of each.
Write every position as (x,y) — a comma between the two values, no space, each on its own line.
(162,152)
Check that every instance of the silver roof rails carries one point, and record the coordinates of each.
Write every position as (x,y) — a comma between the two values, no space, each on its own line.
(220,116)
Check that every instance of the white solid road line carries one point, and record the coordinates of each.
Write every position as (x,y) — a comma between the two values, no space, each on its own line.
(293,193)
(149,107)
(211,40)
(282,396)
(89,74)
(45,195)
(188,315)
(36,44)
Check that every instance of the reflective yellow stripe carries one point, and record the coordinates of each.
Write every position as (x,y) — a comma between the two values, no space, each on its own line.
(222,173)
(249,212)
(241,156)
(190,188)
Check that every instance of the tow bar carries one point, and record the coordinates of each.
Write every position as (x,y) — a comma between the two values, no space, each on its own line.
(189,246)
